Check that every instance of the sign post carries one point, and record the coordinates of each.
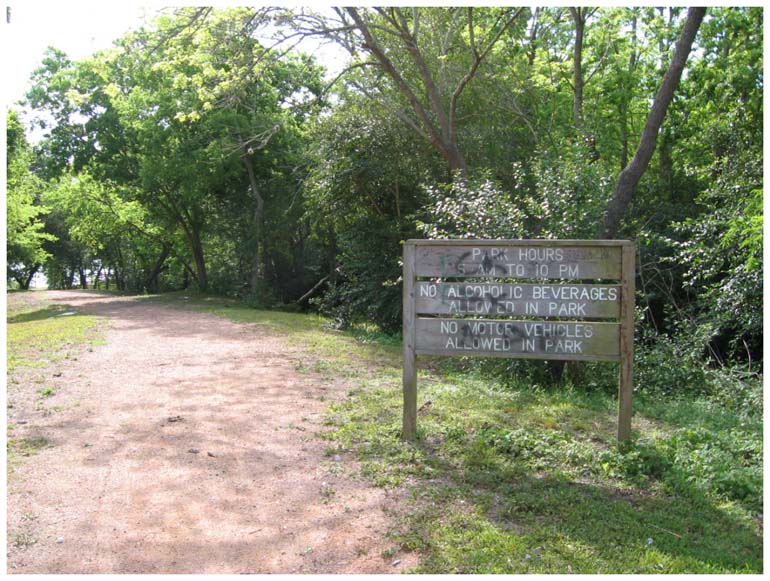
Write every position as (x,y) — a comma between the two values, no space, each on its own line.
(469,297)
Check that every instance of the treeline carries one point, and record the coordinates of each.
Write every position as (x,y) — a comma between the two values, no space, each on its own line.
(205,151)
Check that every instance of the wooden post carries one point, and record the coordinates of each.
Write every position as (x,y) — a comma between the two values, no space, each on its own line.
(626,380)
(409,431)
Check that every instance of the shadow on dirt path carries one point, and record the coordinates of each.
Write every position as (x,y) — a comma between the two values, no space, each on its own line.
(189,444)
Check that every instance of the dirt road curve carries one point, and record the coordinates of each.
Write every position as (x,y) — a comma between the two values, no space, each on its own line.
(188,444)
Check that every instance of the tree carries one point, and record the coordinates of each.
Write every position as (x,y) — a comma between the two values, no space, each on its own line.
(412,48)
(25,235)
(183,115)
(632,173)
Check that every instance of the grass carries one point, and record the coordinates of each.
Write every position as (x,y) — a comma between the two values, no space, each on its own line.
(18,448)
(517,478)
(22,540)
(39,332)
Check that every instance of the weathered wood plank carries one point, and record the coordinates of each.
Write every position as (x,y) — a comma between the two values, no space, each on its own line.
(517,242)
(626,379)
(574,301)
(409,378)
(541,261)
(578,341)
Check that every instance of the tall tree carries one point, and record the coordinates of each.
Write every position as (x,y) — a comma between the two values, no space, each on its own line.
(412,47)
(632,173)
(182,113)
(25,228)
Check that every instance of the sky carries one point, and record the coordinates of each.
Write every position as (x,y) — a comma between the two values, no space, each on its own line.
(77,28)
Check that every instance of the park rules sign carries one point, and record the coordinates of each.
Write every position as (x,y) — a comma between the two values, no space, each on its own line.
(534,299)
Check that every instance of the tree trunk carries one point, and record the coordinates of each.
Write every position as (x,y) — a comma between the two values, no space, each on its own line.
(666,165)
(630,176)
(624,102)
(432,120)
(30,276)
(312,291)
(97,276)
(455,159)
(623,134)
(257,264)
(578,15)
(200,263)
(151,282)
(532,52)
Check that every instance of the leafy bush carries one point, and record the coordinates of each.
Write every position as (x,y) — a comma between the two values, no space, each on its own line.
(475,208)
(367,289)
(738,390)
(564,192)
(721,251)
(663,367)
(724,465)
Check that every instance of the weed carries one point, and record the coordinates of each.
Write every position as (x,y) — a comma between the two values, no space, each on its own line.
(327,493)
(22,540)
(28,446)
(22,448)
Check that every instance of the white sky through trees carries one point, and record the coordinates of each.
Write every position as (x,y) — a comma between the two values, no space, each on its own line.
(77,28)
(82,28)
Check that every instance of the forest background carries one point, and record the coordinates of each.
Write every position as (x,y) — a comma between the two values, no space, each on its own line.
(205,151)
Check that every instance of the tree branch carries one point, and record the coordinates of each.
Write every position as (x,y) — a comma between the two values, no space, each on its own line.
(385,62)
(630,176)
(478,58)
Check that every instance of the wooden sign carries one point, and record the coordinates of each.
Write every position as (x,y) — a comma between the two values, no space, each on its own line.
(540,300)
(523,339)
(562,259)
(472,301)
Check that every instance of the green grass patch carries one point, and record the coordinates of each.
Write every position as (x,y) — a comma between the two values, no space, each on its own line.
(39,333)
(509,477)
(503,482)
(18,448)
(22,540)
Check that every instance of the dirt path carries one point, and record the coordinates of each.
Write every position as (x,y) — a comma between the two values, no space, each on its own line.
(189,444)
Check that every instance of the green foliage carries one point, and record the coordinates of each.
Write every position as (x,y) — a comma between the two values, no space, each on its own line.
(471,209)
(664,366)
(369,269)
(560,197)
(568,193)
(727,276)
(176,116)
(725,465)
(361,193)
(24,210)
